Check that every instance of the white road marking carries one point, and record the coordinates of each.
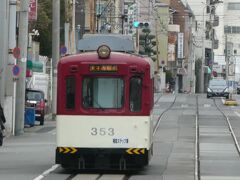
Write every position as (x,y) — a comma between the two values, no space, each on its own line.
(86,177)
(45,173)
(238,114)
(207,105)
(184,105)
(223,101)
(112,177)
(220,177)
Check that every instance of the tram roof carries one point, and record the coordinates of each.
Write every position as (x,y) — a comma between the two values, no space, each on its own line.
(117,42)
(115,58)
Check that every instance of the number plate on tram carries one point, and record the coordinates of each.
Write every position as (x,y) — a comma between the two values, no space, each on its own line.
(120,140)
(102,131)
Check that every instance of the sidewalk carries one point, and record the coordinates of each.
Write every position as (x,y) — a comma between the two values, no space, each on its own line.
(30,129)
(47,123)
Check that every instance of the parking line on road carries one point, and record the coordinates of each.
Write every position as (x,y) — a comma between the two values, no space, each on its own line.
(45,173)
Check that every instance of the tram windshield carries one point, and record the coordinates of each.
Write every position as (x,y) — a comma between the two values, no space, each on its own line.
(99,92)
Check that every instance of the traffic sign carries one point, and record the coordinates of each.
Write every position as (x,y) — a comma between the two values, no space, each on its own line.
(16,70)
(16,52)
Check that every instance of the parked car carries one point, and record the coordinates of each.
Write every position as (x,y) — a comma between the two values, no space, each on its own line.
(35,98)
(218,88)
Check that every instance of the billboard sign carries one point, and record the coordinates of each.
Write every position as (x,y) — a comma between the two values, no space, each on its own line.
(180,52)
(172,41)
(32,10)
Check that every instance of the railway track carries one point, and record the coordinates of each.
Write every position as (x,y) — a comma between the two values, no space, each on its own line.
(122,175)
(230,128)
(100,177)
(213,131)
(201,133)
(161,115)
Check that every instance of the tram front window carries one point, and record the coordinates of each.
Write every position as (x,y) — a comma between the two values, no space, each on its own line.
(102,92)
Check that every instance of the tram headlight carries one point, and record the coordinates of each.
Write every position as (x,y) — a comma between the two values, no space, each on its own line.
(103,51)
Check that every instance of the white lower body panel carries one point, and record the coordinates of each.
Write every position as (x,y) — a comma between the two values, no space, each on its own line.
(104,131)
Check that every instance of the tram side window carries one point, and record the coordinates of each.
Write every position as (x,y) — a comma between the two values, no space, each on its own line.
(70,92)
(135,100)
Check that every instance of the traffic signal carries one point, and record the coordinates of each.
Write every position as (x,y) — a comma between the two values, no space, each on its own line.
(143,25)
(138,24)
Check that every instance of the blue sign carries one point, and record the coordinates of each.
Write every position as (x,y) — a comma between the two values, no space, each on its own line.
(16,70)
(63,50)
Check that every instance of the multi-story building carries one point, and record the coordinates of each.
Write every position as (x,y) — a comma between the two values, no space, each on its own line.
(183,65)
(217,36)
(205,38)
(229,37)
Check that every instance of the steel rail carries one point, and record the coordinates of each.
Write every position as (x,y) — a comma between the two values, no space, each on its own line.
(161,115)
(197,152)
(230,128)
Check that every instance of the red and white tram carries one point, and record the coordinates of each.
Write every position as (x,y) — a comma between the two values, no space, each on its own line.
(104,107)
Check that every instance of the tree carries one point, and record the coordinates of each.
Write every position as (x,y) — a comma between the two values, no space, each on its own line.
(44,26)
(148,43)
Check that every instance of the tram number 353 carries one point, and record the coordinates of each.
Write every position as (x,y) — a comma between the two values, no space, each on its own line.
(102,131)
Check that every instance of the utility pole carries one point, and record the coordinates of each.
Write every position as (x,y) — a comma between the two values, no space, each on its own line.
(73,33)
(92,8)
(55,52)
(21,82)
(66,26)
(11,46)
(3,47)
(203,54)
(226,57)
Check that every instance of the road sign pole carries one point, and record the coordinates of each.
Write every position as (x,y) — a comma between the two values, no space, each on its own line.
(3,47)
(22,44)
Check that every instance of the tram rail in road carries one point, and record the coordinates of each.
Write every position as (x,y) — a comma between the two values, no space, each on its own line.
(102,175)
(203,132)
(215,155)
(212,132)
(230,128)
